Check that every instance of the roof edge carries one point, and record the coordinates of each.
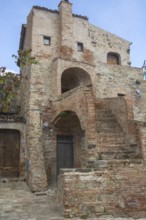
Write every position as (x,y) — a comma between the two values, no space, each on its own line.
(57,12)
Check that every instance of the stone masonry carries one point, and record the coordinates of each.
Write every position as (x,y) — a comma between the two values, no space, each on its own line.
(118,190)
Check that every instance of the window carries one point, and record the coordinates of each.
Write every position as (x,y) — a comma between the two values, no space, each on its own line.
(113,58)
(121,94)
(80,47)
(47,40)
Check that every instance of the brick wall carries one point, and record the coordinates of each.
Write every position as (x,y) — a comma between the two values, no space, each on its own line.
(119,192)
(81,102)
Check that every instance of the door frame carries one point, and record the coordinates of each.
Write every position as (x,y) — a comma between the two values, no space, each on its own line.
(69,140)
(6,171)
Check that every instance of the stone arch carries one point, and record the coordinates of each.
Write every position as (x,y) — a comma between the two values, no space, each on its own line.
(74,77)
(65,110)
(66,114)
(81,103)
(68,141)
(113,58)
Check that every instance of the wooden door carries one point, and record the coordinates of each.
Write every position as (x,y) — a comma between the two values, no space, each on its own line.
(65,152)
(9,153)
(112,59)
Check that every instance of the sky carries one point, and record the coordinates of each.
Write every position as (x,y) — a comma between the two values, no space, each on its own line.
(124,18)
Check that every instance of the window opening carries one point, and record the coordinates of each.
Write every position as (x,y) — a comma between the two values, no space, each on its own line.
(113,58)
(121,94)
(80,47)
(47,40)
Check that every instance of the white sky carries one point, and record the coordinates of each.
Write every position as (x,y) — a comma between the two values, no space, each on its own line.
(125,18)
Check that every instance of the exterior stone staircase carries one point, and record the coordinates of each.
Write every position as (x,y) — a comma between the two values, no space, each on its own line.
(112,141)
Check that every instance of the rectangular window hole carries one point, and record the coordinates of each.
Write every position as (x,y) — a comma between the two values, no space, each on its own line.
(47,40)
(80,47)
(121,94)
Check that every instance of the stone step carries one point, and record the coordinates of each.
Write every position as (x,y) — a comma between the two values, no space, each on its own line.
(108,130)
(99,164)
(111,140)
(113,146)
(106,119)
(120,155)
(113,125)
(106,122)
(105,113)
(12,179)
(110,135)
(120,146)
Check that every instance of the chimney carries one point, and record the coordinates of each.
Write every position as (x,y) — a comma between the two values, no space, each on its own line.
(66,23)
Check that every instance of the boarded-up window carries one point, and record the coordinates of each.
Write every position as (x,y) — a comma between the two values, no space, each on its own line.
(113,58)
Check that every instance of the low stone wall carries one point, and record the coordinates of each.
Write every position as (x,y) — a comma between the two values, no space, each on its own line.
(118,192)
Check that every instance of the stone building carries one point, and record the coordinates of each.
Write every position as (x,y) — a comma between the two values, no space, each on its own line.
(82,106)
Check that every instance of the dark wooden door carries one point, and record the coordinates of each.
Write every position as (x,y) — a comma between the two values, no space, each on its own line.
(112,59)
(65,152)
(9,153)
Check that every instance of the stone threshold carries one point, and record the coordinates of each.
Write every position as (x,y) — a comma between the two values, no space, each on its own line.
(12,179)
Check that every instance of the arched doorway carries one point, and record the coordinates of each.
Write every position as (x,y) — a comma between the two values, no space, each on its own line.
(69,141)
(9,153)
(74,77)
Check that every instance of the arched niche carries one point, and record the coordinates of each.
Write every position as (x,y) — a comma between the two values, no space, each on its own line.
(74,77)
(113,58)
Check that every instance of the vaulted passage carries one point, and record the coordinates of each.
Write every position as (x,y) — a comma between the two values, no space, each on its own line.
(9,153)
(74,77)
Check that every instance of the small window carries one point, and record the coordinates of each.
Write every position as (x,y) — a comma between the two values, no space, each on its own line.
(113,58)
(80,47)
(47,40)
(121,94)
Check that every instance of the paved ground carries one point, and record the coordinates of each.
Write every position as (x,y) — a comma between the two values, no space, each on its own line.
(18,203)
